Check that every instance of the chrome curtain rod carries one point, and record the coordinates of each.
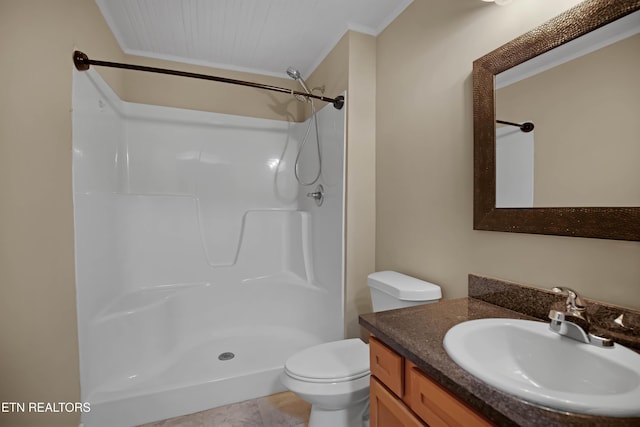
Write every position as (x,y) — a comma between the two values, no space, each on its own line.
(82,63)
(524,127)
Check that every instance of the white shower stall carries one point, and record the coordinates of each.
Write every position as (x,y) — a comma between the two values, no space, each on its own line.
(201,264)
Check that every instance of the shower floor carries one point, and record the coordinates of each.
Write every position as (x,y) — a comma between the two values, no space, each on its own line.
(197,380)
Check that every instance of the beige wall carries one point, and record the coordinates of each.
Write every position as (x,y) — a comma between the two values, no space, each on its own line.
(196,94)
(39,357)
(586,146)
(361,178)
(424,161)
(351,66)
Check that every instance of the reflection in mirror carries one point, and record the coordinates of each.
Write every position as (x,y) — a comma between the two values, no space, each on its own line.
(514,168)
(558,196)
(584,98)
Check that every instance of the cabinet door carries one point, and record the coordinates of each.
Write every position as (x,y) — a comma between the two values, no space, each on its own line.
(389,411)
(387,366)
(437,406)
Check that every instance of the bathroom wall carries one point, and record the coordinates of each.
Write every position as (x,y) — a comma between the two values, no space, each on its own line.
(361,178)
(351,66)
(39,358)
(424,161)
(204,95)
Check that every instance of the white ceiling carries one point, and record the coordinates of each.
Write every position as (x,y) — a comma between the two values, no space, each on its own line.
(258,36)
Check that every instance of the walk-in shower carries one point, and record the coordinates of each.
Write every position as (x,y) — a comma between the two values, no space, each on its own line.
(201,265)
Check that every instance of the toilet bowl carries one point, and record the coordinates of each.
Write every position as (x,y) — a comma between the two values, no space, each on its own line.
(334,376)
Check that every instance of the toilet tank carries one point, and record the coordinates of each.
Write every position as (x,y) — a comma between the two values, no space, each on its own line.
(390,289)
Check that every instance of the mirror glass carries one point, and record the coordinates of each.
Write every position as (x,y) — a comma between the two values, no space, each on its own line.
(583,98)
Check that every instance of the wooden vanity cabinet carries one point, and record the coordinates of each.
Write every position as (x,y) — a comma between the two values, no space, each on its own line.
(403,396)
(387,410)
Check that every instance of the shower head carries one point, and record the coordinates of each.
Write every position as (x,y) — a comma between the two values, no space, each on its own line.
(295,75)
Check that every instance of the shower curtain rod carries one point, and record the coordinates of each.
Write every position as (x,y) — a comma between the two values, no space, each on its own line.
(82,63)
(524,127)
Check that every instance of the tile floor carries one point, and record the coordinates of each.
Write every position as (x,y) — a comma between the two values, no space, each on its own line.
(278,410)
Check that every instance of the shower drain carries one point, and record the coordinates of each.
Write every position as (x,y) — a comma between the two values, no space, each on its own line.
(226,356)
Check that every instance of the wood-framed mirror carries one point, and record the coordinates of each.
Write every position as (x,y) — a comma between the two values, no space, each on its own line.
(605,222)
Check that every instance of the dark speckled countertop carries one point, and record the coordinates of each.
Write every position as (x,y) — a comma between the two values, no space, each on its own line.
(417,334)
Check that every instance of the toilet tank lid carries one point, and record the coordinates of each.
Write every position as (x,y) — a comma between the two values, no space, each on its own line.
(404,287)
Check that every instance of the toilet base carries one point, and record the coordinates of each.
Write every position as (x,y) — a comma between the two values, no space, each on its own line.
(352,416)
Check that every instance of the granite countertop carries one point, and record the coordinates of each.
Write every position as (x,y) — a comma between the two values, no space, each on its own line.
(417,333)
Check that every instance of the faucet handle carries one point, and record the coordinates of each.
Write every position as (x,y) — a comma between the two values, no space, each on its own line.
(574,302)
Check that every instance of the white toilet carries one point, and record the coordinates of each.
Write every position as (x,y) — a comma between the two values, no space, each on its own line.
(334,376)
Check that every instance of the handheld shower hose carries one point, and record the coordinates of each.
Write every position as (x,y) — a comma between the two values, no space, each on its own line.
(295,74)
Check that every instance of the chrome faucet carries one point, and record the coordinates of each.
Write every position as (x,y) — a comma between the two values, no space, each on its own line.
(572,320)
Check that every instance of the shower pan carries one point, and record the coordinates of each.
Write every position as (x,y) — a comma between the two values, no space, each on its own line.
(201,265)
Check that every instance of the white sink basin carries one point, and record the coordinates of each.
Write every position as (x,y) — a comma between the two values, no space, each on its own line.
(526,359)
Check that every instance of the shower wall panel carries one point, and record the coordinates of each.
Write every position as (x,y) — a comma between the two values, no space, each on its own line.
(193,239)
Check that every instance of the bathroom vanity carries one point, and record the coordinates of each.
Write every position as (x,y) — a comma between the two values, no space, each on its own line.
(415,383)
(401,395)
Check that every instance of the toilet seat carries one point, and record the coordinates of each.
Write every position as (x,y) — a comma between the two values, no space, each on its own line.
(332,362)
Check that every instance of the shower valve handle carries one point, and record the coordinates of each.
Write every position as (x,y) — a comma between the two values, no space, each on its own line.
(317,195)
